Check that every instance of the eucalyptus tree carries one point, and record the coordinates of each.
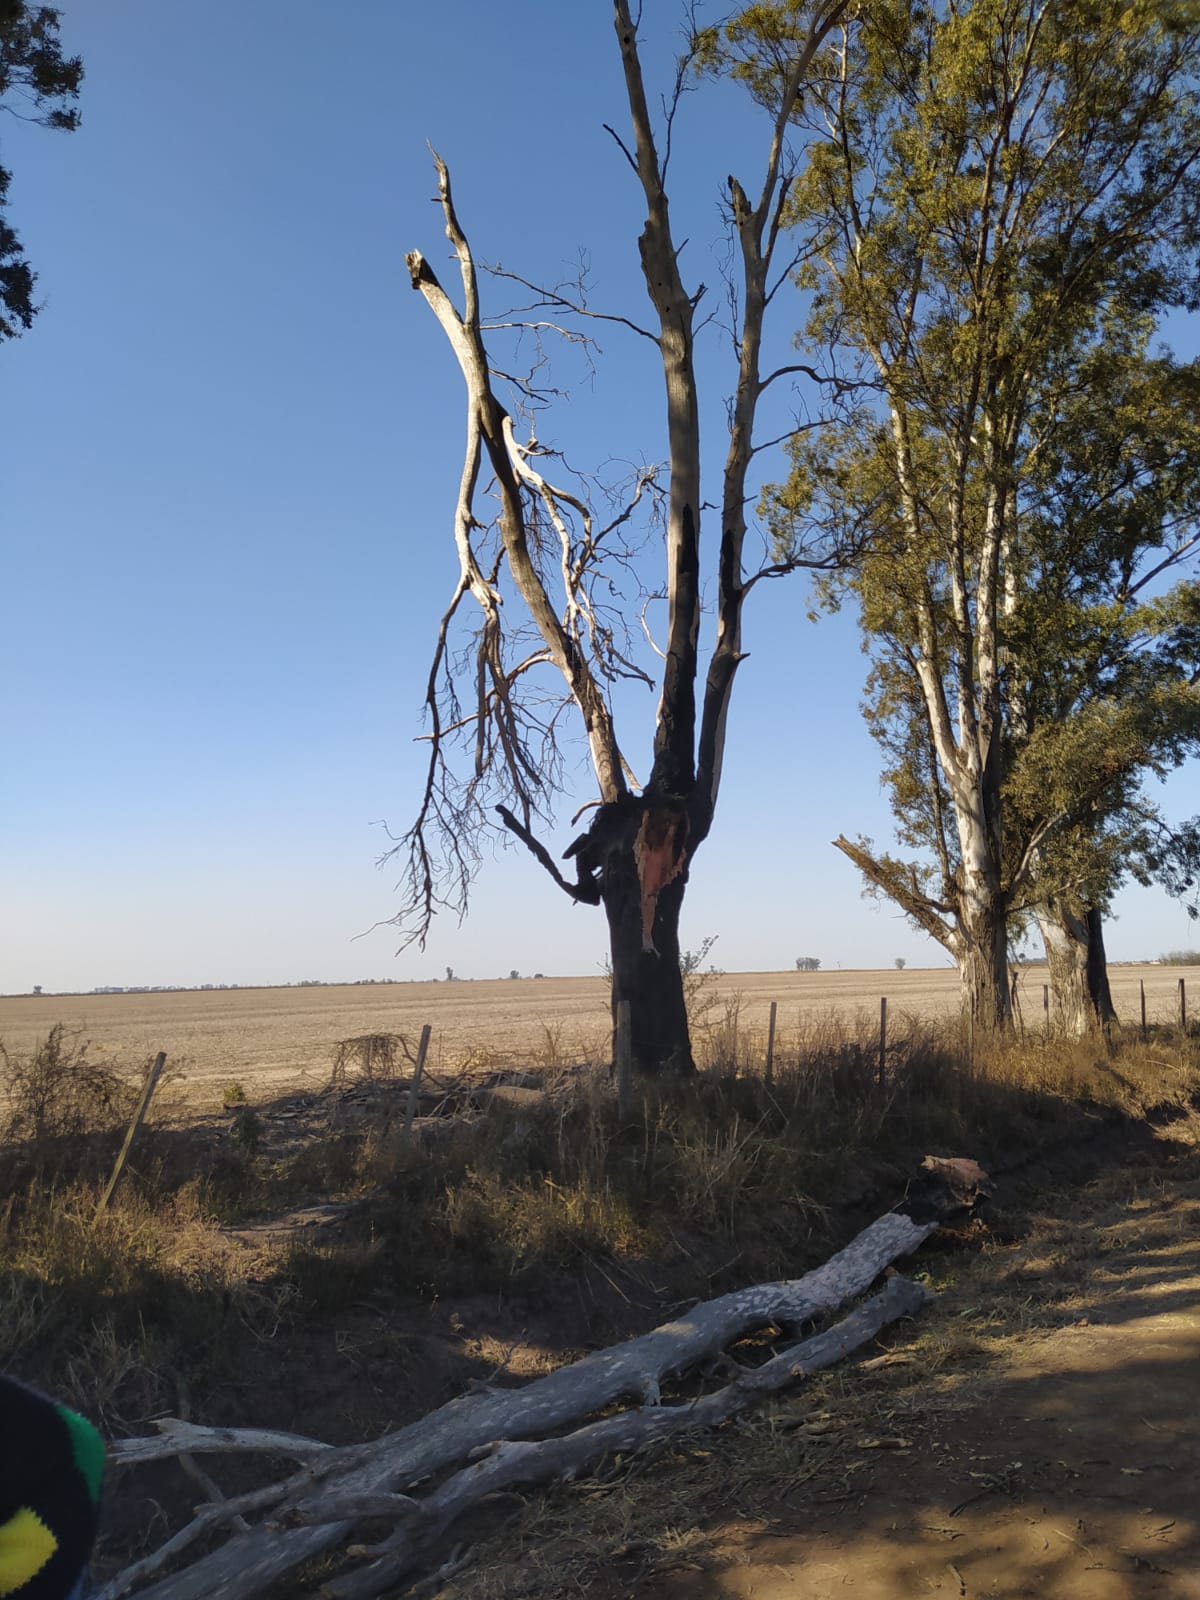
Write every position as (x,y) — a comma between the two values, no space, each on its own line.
(997,196)
(550,636)
(1103,657)
(1100,659)
(37,84)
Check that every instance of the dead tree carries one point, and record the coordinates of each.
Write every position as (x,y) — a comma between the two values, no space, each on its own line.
(420,1479)
(548,545)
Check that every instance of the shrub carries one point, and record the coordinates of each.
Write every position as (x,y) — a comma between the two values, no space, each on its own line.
(56,1093)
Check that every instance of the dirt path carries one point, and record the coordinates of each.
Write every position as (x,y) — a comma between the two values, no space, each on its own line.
(1036,1433)
(1069,1466)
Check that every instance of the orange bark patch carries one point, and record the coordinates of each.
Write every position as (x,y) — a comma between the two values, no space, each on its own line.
(659,853)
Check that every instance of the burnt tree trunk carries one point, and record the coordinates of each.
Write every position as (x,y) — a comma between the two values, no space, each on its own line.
(635,857)
(636,853)
(648,978)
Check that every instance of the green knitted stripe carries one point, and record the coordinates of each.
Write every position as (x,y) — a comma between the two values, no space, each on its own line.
(88,1449)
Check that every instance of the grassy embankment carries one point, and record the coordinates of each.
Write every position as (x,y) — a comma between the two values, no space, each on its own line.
(156,1303)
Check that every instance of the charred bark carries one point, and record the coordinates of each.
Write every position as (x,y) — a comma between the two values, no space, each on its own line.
(636,853)
(649,978)
(635,857)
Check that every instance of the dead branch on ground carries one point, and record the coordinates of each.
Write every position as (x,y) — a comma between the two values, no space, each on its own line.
(423,1477)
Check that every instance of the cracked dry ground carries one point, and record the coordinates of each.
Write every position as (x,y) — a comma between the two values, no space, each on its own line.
(1036,1432)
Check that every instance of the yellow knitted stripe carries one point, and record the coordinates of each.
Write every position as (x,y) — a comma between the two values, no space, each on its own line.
(26,1544)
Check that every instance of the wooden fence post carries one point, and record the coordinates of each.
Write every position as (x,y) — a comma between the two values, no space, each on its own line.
(415,1086)
(624,1059)
(143,1106)
(1142,987)
(1183,1005)
(771,1044)
(882,1039)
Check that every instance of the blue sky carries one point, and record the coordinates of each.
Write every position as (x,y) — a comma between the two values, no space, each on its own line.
(231,446)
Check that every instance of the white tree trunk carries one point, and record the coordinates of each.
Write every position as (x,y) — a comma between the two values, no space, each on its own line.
(1065,938)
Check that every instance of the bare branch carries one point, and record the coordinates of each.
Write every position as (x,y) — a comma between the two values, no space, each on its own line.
(887,876)
(830,380)
(646,626)
(554,297)
(621,145)
(674,741)
(483,1442)
(177,1436)
(583,890)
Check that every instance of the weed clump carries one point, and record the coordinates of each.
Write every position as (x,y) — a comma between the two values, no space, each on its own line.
(55,1093)
(372,1056)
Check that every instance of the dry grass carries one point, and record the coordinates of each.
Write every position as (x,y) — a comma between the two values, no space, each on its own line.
(162,1302)
(271,1040)
(57,1092)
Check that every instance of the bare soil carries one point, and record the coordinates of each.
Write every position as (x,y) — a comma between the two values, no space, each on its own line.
(273,1041)
(1035,1433)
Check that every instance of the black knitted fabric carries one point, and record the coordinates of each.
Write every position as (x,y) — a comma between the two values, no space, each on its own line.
(40,1473)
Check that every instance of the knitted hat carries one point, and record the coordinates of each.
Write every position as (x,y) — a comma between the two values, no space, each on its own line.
(51,1467)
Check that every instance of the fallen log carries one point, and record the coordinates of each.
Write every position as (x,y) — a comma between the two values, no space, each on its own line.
(318,1506)
(523,1461)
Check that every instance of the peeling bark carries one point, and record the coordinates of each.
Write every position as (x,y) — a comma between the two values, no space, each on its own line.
(1072,935)
(983,957)
(1064,939)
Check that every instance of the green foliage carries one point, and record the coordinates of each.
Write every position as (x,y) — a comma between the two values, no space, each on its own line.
(233,1094)
(996,205)
(39,84)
